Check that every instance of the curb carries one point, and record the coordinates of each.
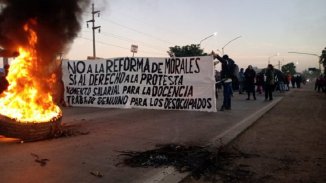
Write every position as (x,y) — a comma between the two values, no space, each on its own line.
(232,133)
(169,174)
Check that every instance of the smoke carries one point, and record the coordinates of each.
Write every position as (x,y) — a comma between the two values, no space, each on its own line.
(55,22)
(58,23)
(102,5)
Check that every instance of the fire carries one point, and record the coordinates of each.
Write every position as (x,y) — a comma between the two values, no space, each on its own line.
(26,99)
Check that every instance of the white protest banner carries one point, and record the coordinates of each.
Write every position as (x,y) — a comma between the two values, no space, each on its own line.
(185,83)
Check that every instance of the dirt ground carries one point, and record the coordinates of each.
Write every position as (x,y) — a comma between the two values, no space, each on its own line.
(288,144)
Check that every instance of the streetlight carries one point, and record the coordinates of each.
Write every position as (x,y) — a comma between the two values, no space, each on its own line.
(229,43)
(269,58)
(312,54)
(220,51)
(214,34)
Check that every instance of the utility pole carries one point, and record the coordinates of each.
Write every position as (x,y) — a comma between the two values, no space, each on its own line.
(94,27)
(279,65)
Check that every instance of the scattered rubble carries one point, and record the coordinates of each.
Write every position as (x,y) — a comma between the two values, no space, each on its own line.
(41,161)
(69,131)
(200,161)
(96,174)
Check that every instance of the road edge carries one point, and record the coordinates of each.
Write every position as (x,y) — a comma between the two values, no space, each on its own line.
(169,174)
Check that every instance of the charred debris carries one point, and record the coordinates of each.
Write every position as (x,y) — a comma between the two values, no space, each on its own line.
(204,162)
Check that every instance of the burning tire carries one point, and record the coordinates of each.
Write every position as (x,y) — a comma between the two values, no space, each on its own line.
(28,131)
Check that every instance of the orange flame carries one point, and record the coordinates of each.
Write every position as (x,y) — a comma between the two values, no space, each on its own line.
(25,100)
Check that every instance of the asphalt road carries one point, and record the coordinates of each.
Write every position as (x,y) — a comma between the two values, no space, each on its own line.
(287,144)
(78,158)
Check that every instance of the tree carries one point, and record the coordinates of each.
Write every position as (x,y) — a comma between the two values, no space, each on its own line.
(186,51)
(289,67)
(323,59)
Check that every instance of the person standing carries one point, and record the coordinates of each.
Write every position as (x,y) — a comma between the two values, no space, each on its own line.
(241,81)
(260,82)
(250,76)
(319,83)
(269,82)
(288,81)
(298,81)
(227,73)
(293,81)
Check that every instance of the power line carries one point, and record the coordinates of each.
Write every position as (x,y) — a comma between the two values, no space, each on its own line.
(132,40)
(104,43)
(126,39)
(176,33)
(108,44)
(140,32)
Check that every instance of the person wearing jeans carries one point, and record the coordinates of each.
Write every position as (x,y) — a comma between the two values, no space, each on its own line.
(227,72)
(227,94)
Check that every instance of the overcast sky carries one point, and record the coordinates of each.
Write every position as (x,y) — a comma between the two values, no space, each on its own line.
(266,27)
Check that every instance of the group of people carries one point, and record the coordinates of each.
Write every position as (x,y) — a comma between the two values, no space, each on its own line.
(248,79)
(296,81)
(320,84)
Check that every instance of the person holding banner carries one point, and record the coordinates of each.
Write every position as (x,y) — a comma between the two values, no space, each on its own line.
(227,73)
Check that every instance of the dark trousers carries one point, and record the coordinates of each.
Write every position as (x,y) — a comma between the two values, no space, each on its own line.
(251,89)
(227,92)
(269,92)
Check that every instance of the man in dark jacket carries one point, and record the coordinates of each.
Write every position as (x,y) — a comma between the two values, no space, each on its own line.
(269,82)
(227,73)
(250,76)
